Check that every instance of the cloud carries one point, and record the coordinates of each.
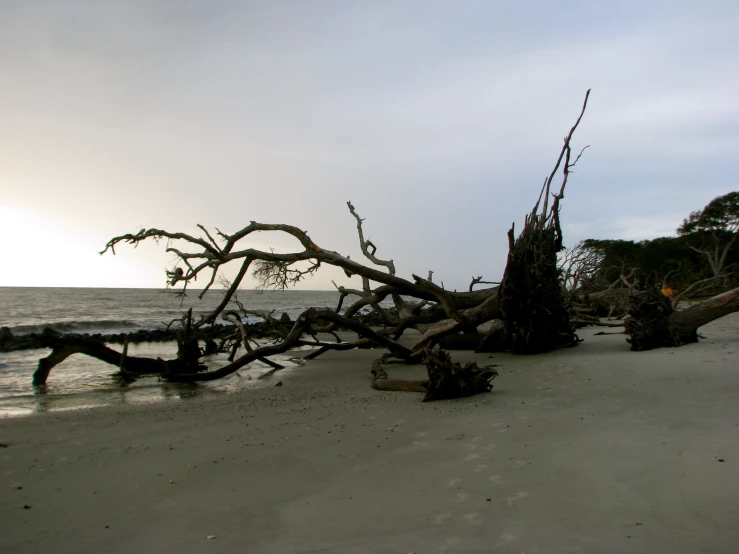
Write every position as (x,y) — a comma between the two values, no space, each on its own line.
(636,228)
(438,120)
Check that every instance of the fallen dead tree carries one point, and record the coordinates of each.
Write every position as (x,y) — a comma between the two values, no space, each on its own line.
(186,367)
(446,379)
(653,322)
(528,312)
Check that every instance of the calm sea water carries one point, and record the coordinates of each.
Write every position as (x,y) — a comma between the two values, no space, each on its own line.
(81,381)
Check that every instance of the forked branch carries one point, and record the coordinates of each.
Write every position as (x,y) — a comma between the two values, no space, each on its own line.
(365,244)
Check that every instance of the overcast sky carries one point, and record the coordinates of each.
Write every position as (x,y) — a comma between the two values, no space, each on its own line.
(438,120)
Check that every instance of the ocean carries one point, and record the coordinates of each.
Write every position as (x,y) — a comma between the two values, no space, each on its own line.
(81,381)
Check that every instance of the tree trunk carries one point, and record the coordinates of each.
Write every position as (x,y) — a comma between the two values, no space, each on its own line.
(686,322)
(533,306)
(188,349)
(62,348)
(653,323)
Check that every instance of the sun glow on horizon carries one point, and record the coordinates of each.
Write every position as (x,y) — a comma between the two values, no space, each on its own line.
(41,251)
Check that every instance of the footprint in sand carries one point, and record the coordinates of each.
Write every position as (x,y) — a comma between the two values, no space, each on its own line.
(505,538)
(518,496)
(454,482)
(473,518)
(480,467)
(441,518)
(471,457)
(461,497)
(495,478)
(449,543)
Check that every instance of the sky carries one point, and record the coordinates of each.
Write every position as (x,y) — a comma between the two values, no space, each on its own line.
(438,120)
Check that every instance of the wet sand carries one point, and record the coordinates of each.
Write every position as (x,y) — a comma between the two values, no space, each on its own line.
(592,449)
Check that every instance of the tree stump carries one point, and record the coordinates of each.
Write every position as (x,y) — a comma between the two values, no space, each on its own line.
(535,312)
(648,324)
(654,323)
(448,379)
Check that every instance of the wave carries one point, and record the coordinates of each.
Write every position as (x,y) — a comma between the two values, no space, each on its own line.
(96,326)
(104,326)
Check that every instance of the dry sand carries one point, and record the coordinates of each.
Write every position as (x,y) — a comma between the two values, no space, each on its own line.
(592,449)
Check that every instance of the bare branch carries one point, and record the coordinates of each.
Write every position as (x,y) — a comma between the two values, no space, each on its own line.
(233,317)
(276,274)
(563,155)
(366,244)
(310,316)
(210,283)
(479,281)
(444,299)
(212,240)
(698,287)
(230,291)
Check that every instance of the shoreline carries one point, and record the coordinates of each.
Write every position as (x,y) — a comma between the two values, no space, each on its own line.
(87,382)
(591,449)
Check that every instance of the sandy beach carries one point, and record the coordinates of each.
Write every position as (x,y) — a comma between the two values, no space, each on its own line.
(587,450)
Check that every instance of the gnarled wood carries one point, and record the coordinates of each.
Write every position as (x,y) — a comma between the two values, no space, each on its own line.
(686,322)
(528,301)
(63,348)
(532,303)
(446,379)
(654,323)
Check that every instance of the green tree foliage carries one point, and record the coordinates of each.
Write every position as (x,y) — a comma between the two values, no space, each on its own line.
(652,262)
(707,246)
(720,215)
(713,231)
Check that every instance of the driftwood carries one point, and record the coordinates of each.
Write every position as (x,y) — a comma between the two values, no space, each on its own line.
(648,324)
(452,380)
(654,323)
(530,310)
(380,381)
(530,301)
(186,363)
(534,308)
(63,347)
(182,369)
(446,379)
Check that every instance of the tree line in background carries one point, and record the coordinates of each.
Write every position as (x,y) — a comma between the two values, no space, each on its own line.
(700,261)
